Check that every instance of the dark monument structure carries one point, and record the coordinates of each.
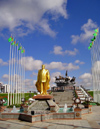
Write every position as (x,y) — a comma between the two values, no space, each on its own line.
(64,83)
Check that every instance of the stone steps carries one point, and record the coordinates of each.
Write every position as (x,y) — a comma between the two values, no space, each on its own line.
(63,97)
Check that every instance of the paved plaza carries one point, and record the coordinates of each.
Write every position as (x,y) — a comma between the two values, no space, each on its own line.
(89,121)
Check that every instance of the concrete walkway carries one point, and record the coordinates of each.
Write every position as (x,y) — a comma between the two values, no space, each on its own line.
(89,121)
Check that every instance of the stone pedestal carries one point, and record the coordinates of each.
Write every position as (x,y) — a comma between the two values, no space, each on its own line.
(43,97)
(2,108)
(90,109)
(25,108)
(77,113)
(43,103)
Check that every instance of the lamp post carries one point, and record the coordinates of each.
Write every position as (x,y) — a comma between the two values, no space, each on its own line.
(21,108)
(77,101)
(1,103)
(23,100)
(74,88)
(87,99)
(74,99)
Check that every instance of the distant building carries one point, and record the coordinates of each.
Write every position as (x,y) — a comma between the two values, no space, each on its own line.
(4,88)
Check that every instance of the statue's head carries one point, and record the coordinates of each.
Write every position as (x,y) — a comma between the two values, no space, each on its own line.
(43,66)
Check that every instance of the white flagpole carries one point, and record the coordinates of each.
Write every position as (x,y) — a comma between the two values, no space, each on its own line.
(11,77)
(9,86)
(24,74)
(14,75)
(20,75)
(17,75)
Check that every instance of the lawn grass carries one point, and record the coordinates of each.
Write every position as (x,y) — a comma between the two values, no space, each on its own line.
(27,96)
(91,93)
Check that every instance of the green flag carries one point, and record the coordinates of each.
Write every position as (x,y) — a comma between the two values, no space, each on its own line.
(20,48)
(92,39)
(13,43)
(16,44)
(95,34)
(10,39)
(90,44)
(96,30)
(89,47)
(22,51)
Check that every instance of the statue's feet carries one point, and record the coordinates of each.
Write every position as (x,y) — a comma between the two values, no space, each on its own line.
(41,93)
(46,93)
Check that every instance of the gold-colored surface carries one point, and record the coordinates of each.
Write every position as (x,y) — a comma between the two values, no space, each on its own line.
(43,80)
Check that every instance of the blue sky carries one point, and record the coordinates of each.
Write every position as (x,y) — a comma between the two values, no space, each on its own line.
(55,33)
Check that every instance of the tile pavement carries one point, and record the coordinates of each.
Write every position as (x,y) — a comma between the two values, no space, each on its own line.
(89,121)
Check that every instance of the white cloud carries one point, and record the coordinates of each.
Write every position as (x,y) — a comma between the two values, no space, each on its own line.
(2,63)
(70,67)
(88,30)
(53,77)
(59,51)
(31,64)
(28,82)
(30,85)
(1,83)
(86,76)
(34,82)
(79,62)
(5,78)
(72,53)
(34,87)
(33,74)
(15,15)
(86,79)
(61,66)
(75,39)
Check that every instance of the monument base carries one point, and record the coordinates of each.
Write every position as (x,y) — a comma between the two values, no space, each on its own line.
(43,103)
(43,97)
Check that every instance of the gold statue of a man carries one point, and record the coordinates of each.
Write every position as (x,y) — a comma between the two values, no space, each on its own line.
(43,80)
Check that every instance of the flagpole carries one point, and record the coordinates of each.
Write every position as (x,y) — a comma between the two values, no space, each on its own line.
(9,74)
(14,75)
(24,74)
(18,77)
(15,78)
